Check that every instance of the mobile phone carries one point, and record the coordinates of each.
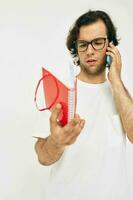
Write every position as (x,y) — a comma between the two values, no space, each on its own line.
(108,61)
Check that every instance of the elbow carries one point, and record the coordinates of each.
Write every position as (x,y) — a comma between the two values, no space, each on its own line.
(42,155)
(43,162)
(43,159)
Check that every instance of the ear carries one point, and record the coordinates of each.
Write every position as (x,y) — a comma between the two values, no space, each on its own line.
(76,60)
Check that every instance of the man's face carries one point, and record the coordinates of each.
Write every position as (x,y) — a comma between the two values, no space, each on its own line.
(92,61)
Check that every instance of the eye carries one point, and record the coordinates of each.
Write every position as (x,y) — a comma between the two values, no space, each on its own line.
(98,41)
(83,44)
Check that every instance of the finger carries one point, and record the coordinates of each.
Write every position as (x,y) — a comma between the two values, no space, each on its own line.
(112,45)
(82,123)
(76,116)
(55,114)
(115,53)
(74,121)
(68,129)
(109,49)
(76,131)
(114,48)
(115,57)
(80,126)
(110,54)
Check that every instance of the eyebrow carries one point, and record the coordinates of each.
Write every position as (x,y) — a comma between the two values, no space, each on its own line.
(81,40)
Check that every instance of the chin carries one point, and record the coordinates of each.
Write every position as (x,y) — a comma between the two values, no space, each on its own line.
(94,70)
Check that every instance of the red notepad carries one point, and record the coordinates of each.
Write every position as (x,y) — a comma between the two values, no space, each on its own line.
(57,92)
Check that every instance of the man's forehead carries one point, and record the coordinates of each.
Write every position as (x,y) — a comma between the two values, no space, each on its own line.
(92,31)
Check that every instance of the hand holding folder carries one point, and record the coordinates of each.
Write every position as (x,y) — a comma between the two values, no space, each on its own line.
(57,92)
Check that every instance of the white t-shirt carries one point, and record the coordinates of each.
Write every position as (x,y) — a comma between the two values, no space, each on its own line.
(94,167)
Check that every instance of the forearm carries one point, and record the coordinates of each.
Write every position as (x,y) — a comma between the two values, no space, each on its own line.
(48,152)
(124,104)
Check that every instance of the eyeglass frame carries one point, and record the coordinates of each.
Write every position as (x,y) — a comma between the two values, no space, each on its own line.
(90,42)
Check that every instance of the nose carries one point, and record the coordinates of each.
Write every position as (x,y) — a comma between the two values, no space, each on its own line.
(90,49)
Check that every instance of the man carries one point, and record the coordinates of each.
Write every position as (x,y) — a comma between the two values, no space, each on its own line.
(87,156)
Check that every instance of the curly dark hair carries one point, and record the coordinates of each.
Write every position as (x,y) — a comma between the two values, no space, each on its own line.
(86,19)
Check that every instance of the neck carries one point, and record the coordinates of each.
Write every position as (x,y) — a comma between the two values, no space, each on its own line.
(94,79)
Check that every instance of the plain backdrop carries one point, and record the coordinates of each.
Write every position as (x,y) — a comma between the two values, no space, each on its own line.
(32,35)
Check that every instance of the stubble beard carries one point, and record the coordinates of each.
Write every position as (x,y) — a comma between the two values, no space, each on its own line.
(93,71)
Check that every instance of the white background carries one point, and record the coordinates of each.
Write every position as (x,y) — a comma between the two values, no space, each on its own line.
(33,34)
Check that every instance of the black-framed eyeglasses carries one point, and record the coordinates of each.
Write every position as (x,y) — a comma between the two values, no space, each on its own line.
(97,44)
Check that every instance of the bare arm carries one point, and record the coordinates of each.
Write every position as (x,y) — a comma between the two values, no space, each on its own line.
(50,149)
(124,103)
(123,100)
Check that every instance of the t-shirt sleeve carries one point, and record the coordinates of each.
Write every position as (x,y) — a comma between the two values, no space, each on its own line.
(42,125)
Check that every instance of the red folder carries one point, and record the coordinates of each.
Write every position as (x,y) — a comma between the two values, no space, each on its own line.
(57,92)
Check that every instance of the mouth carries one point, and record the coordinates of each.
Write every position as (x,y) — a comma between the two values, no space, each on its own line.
(91,61)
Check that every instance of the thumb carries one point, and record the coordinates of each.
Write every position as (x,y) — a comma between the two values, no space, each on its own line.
(55,114)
